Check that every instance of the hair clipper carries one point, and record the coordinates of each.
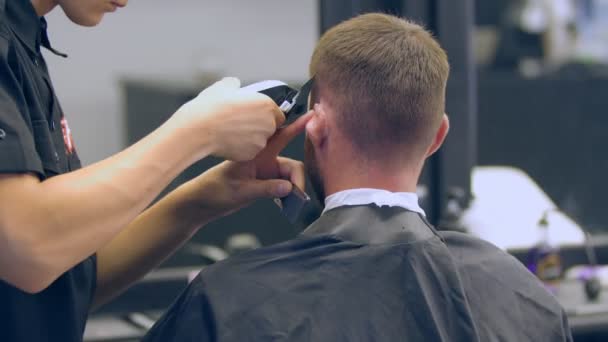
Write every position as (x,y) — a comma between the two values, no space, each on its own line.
(293,103)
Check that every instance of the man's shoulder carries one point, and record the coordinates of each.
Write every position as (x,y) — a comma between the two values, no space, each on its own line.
(472,254)
(486,268)
(266,275)
(287,256)
(468,249)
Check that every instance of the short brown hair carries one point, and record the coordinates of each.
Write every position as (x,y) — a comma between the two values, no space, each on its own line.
(386,78)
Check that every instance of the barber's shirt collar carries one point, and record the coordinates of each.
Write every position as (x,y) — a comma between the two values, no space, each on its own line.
(379,197)
(30,28)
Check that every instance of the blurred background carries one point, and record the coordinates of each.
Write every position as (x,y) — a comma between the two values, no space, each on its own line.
(523,167)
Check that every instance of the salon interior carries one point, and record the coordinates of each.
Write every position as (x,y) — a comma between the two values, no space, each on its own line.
(522,166)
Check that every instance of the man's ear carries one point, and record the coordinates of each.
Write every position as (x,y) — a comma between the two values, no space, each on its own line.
(316,128)
(442,132)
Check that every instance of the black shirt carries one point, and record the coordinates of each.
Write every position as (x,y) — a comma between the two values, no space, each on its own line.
(366,273)
(35,138)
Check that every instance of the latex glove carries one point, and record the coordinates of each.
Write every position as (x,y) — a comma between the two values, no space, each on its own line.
(230,186)
(229,122)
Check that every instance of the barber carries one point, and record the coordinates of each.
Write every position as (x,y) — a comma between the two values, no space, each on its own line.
(72,238)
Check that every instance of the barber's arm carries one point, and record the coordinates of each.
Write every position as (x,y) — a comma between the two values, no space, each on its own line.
(161,229)
(48,227)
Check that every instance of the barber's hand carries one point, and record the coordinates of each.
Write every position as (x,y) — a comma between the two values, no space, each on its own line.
(230,122)
(230,186)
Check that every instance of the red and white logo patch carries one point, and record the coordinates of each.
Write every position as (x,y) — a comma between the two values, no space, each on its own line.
(67,136)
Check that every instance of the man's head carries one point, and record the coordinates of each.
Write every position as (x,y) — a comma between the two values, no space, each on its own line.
(81,12)
(380,93)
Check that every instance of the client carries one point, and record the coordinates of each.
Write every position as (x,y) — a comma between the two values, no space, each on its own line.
(370,268)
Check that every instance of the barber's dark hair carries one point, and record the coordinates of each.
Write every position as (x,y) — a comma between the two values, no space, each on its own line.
(385,77)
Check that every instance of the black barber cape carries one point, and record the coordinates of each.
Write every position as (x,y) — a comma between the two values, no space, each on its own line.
(365,273)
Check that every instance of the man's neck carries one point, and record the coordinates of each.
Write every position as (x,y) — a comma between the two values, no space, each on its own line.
(43,7)
(344,168)
(340,179)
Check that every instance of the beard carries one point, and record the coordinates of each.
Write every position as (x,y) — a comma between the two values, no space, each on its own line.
(312,170)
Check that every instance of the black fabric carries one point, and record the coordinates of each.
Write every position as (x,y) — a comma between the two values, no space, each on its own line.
(30,115)
(366,274)
(32,141)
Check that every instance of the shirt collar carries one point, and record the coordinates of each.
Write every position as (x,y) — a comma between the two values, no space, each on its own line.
(379,197)
(26,24)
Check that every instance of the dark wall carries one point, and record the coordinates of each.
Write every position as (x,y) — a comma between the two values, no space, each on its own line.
(556,130)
